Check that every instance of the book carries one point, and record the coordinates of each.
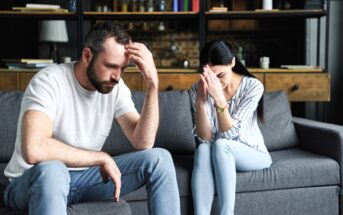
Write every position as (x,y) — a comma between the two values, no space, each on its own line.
(195,5)
(28,9)
(50,6)
(40,8)
(26,60)
(185,5)
(175,5)
(27,66)
(298,67)
(218,9)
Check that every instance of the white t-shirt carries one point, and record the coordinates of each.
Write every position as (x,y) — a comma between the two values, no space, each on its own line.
(80,117)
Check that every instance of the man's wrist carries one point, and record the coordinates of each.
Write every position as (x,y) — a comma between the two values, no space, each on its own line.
(104,158)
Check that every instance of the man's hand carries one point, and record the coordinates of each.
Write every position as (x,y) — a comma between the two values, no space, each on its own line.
(109,170)
(139,54)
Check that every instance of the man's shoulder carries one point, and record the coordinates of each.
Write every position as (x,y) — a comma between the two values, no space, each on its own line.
(54,70)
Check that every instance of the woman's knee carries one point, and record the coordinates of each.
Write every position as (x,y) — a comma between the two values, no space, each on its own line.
(222,146)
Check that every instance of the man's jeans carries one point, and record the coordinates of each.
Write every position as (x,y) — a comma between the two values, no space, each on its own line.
(48,187)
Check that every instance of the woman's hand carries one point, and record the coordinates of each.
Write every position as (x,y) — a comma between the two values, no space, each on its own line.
(214,87)
(202,90)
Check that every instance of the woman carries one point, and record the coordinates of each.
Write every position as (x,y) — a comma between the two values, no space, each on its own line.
(227,103)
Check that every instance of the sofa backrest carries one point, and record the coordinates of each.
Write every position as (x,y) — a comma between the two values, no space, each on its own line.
(175,129)
(278,129)
(10,102)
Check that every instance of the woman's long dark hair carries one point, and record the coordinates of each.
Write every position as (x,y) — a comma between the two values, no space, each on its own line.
(218,52)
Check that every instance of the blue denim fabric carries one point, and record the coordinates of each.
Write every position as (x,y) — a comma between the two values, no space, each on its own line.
(48,187)
(214,171)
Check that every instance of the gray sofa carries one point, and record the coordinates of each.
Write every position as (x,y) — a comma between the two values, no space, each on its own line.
(305,177)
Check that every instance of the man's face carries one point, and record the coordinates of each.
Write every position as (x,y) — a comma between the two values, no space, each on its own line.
(102,86)
(105,71)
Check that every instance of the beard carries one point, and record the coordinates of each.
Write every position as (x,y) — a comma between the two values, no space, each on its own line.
(103,87)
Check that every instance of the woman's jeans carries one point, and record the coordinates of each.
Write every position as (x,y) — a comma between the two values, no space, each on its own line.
(48,187)
(214,170)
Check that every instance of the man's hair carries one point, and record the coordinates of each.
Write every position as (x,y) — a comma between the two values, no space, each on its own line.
(102,31)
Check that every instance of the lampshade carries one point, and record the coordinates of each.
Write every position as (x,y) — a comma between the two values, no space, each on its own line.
(54,31)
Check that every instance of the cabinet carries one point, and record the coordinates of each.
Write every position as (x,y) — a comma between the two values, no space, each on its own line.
(301,85)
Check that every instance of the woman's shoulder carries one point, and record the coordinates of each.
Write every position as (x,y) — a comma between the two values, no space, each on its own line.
(252,82)
(251,86)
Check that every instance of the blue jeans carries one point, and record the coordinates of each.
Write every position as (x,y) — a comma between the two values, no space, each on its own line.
(214,170)
(48,187)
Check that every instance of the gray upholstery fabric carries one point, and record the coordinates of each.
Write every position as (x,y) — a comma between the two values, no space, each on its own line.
(101,208)
(87,208)
(175,129)
(141,207)
(291,168)
(10,102)
(278,129)
(321,138)
(302,201)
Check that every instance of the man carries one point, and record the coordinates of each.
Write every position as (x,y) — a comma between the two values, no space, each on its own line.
(66,114)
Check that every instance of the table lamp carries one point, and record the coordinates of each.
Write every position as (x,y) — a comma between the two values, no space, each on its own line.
(54,31)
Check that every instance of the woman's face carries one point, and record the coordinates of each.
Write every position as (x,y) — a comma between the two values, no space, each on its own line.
(223,73)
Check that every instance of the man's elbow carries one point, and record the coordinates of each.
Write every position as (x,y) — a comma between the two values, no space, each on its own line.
(31,155)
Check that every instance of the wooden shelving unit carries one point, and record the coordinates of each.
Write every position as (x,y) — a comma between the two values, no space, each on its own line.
(301,84)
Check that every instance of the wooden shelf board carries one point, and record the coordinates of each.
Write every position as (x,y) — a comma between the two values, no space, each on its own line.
(266,14)
(280,70)
(37,15)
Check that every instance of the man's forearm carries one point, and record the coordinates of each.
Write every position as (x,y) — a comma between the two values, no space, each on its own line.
(52,149)
(146,128)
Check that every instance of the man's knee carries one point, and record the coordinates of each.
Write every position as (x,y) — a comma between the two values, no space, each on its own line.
(51,174)
(160,159)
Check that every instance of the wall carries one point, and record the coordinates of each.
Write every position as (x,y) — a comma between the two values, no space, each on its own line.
(335,66)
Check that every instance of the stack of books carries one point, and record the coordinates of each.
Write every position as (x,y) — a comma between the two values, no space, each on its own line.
(218,9)
(23,63)
(40,8)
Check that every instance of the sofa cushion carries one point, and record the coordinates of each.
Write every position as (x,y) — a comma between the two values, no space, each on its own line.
(291,168)
(9,112)
(86,208)
(175,129)
(278,130)
(103,207)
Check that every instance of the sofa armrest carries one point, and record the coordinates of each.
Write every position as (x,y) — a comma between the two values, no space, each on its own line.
(321,138)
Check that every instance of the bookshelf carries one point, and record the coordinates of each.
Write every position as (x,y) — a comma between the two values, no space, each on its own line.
(86,13)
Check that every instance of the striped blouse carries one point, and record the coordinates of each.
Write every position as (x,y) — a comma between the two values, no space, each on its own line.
(243,109)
